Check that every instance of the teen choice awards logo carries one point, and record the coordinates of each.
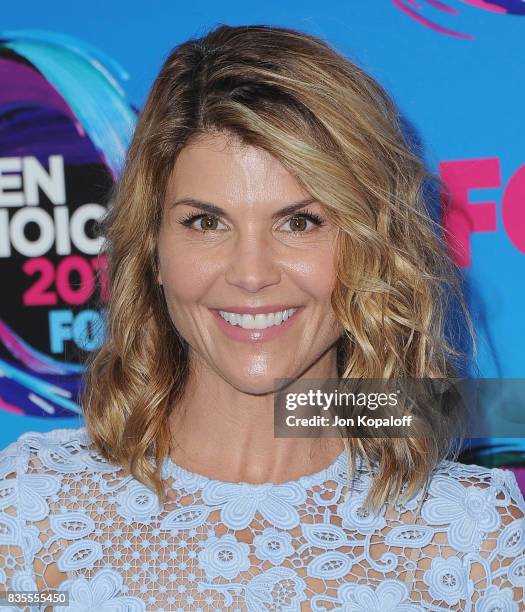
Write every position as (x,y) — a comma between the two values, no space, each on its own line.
(65,125)
(433,13)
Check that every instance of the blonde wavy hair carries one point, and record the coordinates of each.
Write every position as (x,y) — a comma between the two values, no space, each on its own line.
(338,132)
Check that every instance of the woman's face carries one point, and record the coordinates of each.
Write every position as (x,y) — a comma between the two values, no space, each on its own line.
(242,256)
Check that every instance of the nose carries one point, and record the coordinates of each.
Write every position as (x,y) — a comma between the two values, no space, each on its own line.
(252,263)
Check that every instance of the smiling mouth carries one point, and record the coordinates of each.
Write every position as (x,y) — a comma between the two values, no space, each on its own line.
(258,321)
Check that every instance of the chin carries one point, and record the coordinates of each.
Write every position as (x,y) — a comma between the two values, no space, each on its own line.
(258,386)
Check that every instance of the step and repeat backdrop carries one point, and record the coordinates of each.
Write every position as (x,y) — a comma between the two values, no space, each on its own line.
(73,78)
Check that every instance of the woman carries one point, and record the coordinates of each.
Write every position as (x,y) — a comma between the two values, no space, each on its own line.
(270,223)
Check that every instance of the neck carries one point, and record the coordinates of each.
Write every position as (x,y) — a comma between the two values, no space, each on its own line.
(226,434)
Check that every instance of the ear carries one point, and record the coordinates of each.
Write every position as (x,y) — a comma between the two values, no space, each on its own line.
(159,279)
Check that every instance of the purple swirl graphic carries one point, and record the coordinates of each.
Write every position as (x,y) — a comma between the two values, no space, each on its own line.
(60,97)
(416,10)
(40,385)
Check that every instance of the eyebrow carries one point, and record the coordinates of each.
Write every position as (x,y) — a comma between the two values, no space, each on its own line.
(217,210)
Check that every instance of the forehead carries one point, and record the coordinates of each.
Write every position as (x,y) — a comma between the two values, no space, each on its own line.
(220,168)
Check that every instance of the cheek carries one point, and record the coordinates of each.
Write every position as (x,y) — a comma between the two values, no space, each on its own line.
(316,274)
(185,276)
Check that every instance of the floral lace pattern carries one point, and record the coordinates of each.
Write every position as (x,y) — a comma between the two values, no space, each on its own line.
(73,522)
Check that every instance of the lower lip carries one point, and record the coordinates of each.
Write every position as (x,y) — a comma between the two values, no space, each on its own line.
(235,332)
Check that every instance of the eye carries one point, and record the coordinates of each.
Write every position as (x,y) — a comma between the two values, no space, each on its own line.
(208,223)
(299,222)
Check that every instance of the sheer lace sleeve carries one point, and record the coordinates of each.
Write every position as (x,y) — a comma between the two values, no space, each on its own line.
(498,569)
(28,553)
(15,555)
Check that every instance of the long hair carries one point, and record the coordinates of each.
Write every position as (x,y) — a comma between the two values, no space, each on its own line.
(338,132)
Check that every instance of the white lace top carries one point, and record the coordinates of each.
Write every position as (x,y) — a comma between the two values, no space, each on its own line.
(69,520)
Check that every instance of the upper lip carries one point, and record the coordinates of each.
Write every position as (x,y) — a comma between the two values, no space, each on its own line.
(257,309)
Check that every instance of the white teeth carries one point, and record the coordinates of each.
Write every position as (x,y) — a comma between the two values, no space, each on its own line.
(260,321)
